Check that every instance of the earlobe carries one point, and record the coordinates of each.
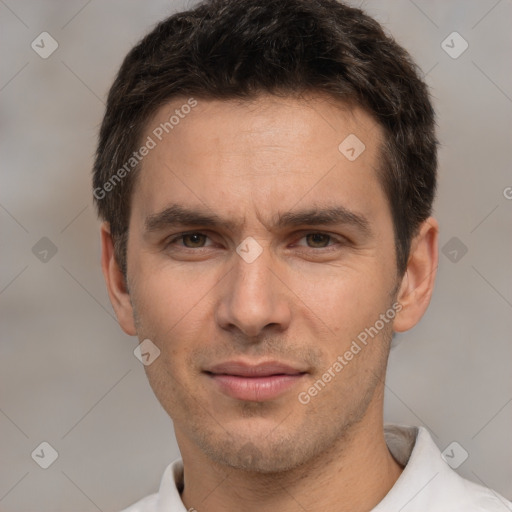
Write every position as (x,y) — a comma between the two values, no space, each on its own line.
(418,280)
(115,281)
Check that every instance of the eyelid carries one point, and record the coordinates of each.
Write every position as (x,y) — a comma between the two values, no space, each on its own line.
(174,238)
(335,238)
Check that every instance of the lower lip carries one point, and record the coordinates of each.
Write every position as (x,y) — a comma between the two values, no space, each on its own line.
(255,389)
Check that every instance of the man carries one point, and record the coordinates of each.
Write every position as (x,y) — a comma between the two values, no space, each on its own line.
(265,173)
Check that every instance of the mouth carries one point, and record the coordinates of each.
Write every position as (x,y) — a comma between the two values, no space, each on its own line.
(254,382)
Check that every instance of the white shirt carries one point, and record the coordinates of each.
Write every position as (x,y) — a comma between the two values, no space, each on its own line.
(427,483)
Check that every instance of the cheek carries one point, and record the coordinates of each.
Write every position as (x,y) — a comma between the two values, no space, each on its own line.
(346,307)
(168,297)
(175,311)
(345,299)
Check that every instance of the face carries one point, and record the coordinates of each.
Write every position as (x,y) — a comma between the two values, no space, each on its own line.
(258,254)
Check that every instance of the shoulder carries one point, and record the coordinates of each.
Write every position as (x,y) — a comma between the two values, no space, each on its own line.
(428,482)
(476,498)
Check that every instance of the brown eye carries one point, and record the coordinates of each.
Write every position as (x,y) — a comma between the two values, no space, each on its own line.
(192,240)
(197,240)
(318,240)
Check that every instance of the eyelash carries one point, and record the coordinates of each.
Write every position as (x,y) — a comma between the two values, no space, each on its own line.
(340,241)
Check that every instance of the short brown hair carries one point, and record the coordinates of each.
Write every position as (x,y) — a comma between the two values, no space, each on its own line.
(237,49)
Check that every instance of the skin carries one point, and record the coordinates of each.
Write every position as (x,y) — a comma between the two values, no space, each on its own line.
(302,301)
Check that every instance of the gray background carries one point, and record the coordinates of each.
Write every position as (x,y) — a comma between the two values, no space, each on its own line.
(68,373)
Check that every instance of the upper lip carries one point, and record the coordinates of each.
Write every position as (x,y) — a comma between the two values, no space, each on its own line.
(243,369)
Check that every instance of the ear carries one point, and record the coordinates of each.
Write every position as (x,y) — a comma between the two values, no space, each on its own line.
(418,280)
(116,285)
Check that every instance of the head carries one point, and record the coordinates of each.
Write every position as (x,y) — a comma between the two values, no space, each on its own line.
(299,135)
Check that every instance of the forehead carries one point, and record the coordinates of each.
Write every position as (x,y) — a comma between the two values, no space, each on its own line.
(268,154)
(317,119)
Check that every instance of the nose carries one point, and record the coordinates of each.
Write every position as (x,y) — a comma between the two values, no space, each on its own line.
(254,298)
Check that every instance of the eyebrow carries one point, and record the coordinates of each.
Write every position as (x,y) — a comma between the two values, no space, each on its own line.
(176,215)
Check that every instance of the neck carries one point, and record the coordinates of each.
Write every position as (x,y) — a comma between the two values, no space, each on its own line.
(354,475)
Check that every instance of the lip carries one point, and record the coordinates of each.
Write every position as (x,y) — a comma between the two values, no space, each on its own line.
(254,382)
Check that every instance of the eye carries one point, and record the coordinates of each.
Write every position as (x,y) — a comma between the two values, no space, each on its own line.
(192,240)
(197,240)
(318,240)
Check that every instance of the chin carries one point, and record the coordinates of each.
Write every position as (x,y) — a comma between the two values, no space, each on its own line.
(257,455)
